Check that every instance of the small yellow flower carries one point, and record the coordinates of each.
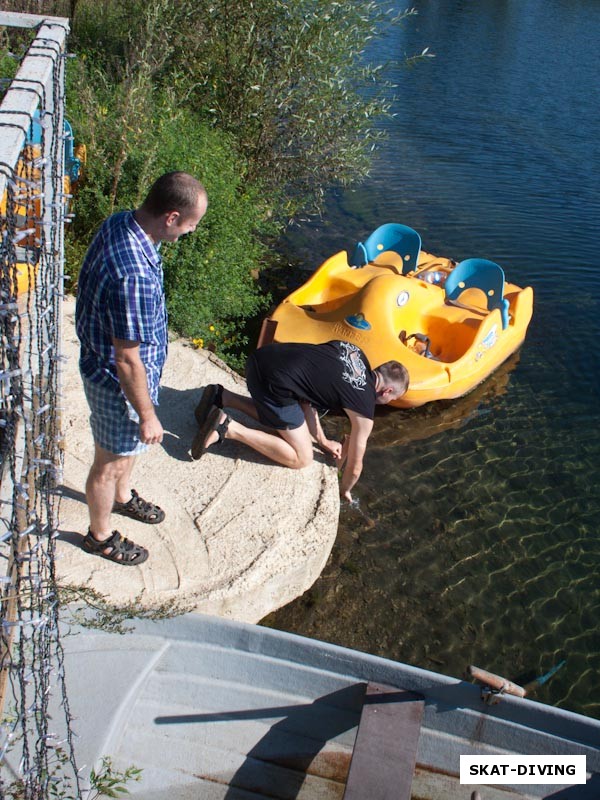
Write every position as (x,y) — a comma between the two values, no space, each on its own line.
(211,327)
(198,342)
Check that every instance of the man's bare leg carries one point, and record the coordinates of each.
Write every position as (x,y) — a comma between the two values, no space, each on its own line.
(123,490)
(107,480)
(290,448)
(239,402)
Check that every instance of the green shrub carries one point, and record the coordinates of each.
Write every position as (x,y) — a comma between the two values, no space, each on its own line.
(209,282)
(209,275)
(267,102)
(288,79)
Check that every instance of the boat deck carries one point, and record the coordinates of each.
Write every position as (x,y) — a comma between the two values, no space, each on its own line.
(215,709)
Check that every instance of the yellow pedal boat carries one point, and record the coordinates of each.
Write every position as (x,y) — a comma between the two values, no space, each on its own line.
(450,324)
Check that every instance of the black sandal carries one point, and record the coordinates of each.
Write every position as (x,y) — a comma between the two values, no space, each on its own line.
(140,509)
(212,424)
(211,396)
(120,550)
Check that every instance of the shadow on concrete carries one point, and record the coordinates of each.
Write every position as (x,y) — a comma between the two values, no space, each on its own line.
(176,413)
(72,537)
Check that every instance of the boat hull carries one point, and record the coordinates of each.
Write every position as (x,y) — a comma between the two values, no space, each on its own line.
(379,310)
(211,708)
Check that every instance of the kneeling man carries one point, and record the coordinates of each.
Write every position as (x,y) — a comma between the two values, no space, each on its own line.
(289,384)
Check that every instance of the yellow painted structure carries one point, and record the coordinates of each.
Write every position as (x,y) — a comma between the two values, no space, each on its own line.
(28,208)
(378,309)
(27,211)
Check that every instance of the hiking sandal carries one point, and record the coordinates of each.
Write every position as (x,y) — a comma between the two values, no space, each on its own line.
(212,424)
(120,550)
(140,509)
(211,396)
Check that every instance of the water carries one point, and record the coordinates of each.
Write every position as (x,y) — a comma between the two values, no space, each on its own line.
(477,539)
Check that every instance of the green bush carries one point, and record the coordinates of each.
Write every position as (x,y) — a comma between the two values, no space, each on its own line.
(288,79)
(209,275)
(209,282)
(267,102)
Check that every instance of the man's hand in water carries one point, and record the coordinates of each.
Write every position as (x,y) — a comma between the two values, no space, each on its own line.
(340,463)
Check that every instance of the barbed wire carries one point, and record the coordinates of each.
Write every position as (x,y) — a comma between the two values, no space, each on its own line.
(36,748)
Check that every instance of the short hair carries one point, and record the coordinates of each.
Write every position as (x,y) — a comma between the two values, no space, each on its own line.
(173,191)
(393,373)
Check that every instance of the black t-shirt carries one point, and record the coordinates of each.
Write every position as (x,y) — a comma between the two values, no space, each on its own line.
(335,375)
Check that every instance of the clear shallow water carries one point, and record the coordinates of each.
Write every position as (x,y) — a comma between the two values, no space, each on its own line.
(478,535)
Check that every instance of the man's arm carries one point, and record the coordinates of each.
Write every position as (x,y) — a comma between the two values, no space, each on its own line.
(134,382)
(311,416)
(354,448)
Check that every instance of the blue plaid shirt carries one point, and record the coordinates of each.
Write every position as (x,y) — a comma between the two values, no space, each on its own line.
(121,296)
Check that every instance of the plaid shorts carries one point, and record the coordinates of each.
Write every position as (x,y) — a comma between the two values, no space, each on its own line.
(114,421)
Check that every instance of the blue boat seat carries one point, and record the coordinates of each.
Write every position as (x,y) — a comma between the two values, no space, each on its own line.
(392,236)
(72,164)
(479,273)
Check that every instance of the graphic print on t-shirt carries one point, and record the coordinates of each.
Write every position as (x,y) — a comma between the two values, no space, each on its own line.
(355,370)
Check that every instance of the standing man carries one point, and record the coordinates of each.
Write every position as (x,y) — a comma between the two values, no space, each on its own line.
(121,322)
(288,383)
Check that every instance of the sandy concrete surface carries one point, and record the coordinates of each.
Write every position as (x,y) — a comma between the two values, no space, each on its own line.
(241,537)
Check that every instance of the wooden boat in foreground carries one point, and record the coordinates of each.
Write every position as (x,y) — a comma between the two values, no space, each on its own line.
(450,324)
(216,709)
